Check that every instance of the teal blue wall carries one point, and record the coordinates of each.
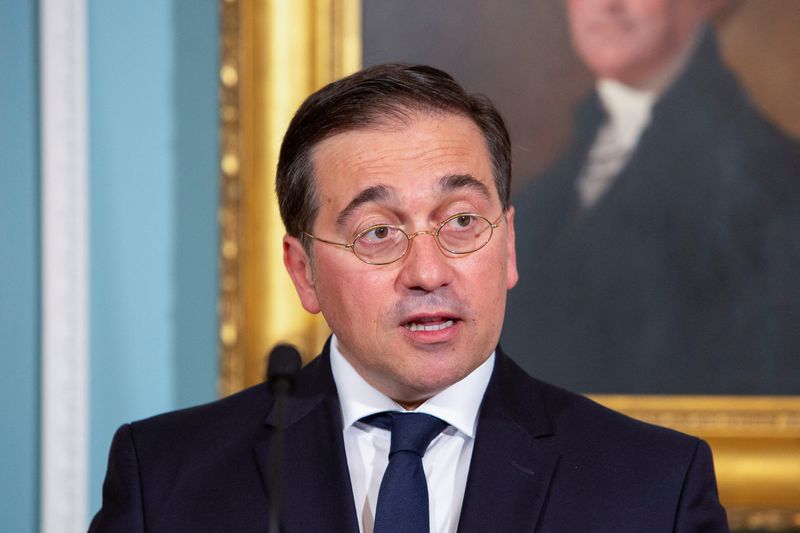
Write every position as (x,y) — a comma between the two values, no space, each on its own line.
(19,267)
(153,123)
(153,193)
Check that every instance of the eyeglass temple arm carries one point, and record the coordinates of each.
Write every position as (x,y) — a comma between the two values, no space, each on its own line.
(343,245)
(496,223)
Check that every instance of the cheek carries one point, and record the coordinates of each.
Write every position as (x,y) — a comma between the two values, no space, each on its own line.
(579,26)
(351,297)
(492,284)
(651,24)
(333,290)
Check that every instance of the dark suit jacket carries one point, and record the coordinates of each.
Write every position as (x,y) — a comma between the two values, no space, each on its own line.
(544,460)
(683,277)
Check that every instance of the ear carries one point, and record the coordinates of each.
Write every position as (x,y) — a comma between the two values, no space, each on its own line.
(300,269)
(512,276)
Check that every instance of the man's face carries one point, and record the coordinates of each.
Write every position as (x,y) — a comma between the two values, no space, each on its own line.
(413,175)
(632,40)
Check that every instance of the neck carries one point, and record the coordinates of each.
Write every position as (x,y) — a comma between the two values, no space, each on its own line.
(409,406)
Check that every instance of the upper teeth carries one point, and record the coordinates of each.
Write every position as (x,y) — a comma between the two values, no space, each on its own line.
(429,327)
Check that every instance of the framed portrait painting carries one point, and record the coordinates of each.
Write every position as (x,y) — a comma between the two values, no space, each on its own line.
(697,363)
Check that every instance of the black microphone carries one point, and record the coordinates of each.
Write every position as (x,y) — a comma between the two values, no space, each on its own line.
(282,370)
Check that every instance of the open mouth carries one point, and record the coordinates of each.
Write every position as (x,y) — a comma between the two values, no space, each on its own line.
(429,324)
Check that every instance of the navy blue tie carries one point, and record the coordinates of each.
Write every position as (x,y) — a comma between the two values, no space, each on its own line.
(403,495)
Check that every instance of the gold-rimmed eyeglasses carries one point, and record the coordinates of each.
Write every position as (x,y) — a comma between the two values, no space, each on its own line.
(459,234)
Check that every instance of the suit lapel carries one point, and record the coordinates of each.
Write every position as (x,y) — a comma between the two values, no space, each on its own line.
(317,495)
(508,481)
(511,465)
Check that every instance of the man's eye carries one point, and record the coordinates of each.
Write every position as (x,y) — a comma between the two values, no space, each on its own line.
(464,220)
(377,233)
(460,222)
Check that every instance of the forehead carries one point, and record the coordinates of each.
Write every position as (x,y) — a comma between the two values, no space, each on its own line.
(409,158)
(657,11)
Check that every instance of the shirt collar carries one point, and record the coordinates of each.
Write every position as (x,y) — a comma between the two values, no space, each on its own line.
(457,405)
(628,108)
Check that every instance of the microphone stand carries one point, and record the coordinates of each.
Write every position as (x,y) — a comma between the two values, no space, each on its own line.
(282,370)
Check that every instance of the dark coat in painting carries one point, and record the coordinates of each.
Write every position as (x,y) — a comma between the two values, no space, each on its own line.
(683,277)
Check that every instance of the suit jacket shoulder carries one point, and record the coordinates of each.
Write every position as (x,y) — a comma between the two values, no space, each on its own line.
(206,468)
(546,459)
(173,472)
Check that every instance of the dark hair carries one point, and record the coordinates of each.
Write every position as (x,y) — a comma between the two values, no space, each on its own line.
(372,96)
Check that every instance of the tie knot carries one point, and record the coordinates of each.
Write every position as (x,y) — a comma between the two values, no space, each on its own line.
(411,432)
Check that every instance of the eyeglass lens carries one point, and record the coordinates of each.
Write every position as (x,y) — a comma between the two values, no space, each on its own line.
(460,234)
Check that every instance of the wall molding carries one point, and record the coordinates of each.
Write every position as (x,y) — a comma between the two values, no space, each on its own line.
(65,253)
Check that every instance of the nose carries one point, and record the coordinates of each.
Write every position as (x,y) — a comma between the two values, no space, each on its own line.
(425,267)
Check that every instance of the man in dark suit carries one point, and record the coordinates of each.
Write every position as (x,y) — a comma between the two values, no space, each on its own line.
(393,184)
(660,253)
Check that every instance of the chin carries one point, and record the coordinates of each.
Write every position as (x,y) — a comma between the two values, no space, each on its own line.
(430,383)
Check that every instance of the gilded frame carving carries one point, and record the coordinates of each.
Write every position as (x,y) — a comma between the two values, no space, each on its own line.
(274,53)
(756,446)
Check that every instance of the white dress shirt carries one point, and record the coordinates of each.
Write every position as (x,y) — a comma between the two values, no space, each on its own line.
(446,462)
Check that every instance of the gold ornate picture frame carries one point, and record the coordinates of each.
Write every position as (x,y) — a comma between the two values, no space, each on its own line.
(756,446)
(275,53)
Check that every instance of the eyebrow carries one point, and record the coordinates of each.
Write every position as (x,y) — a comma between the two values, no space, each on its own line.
(453,182)
(378,193)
